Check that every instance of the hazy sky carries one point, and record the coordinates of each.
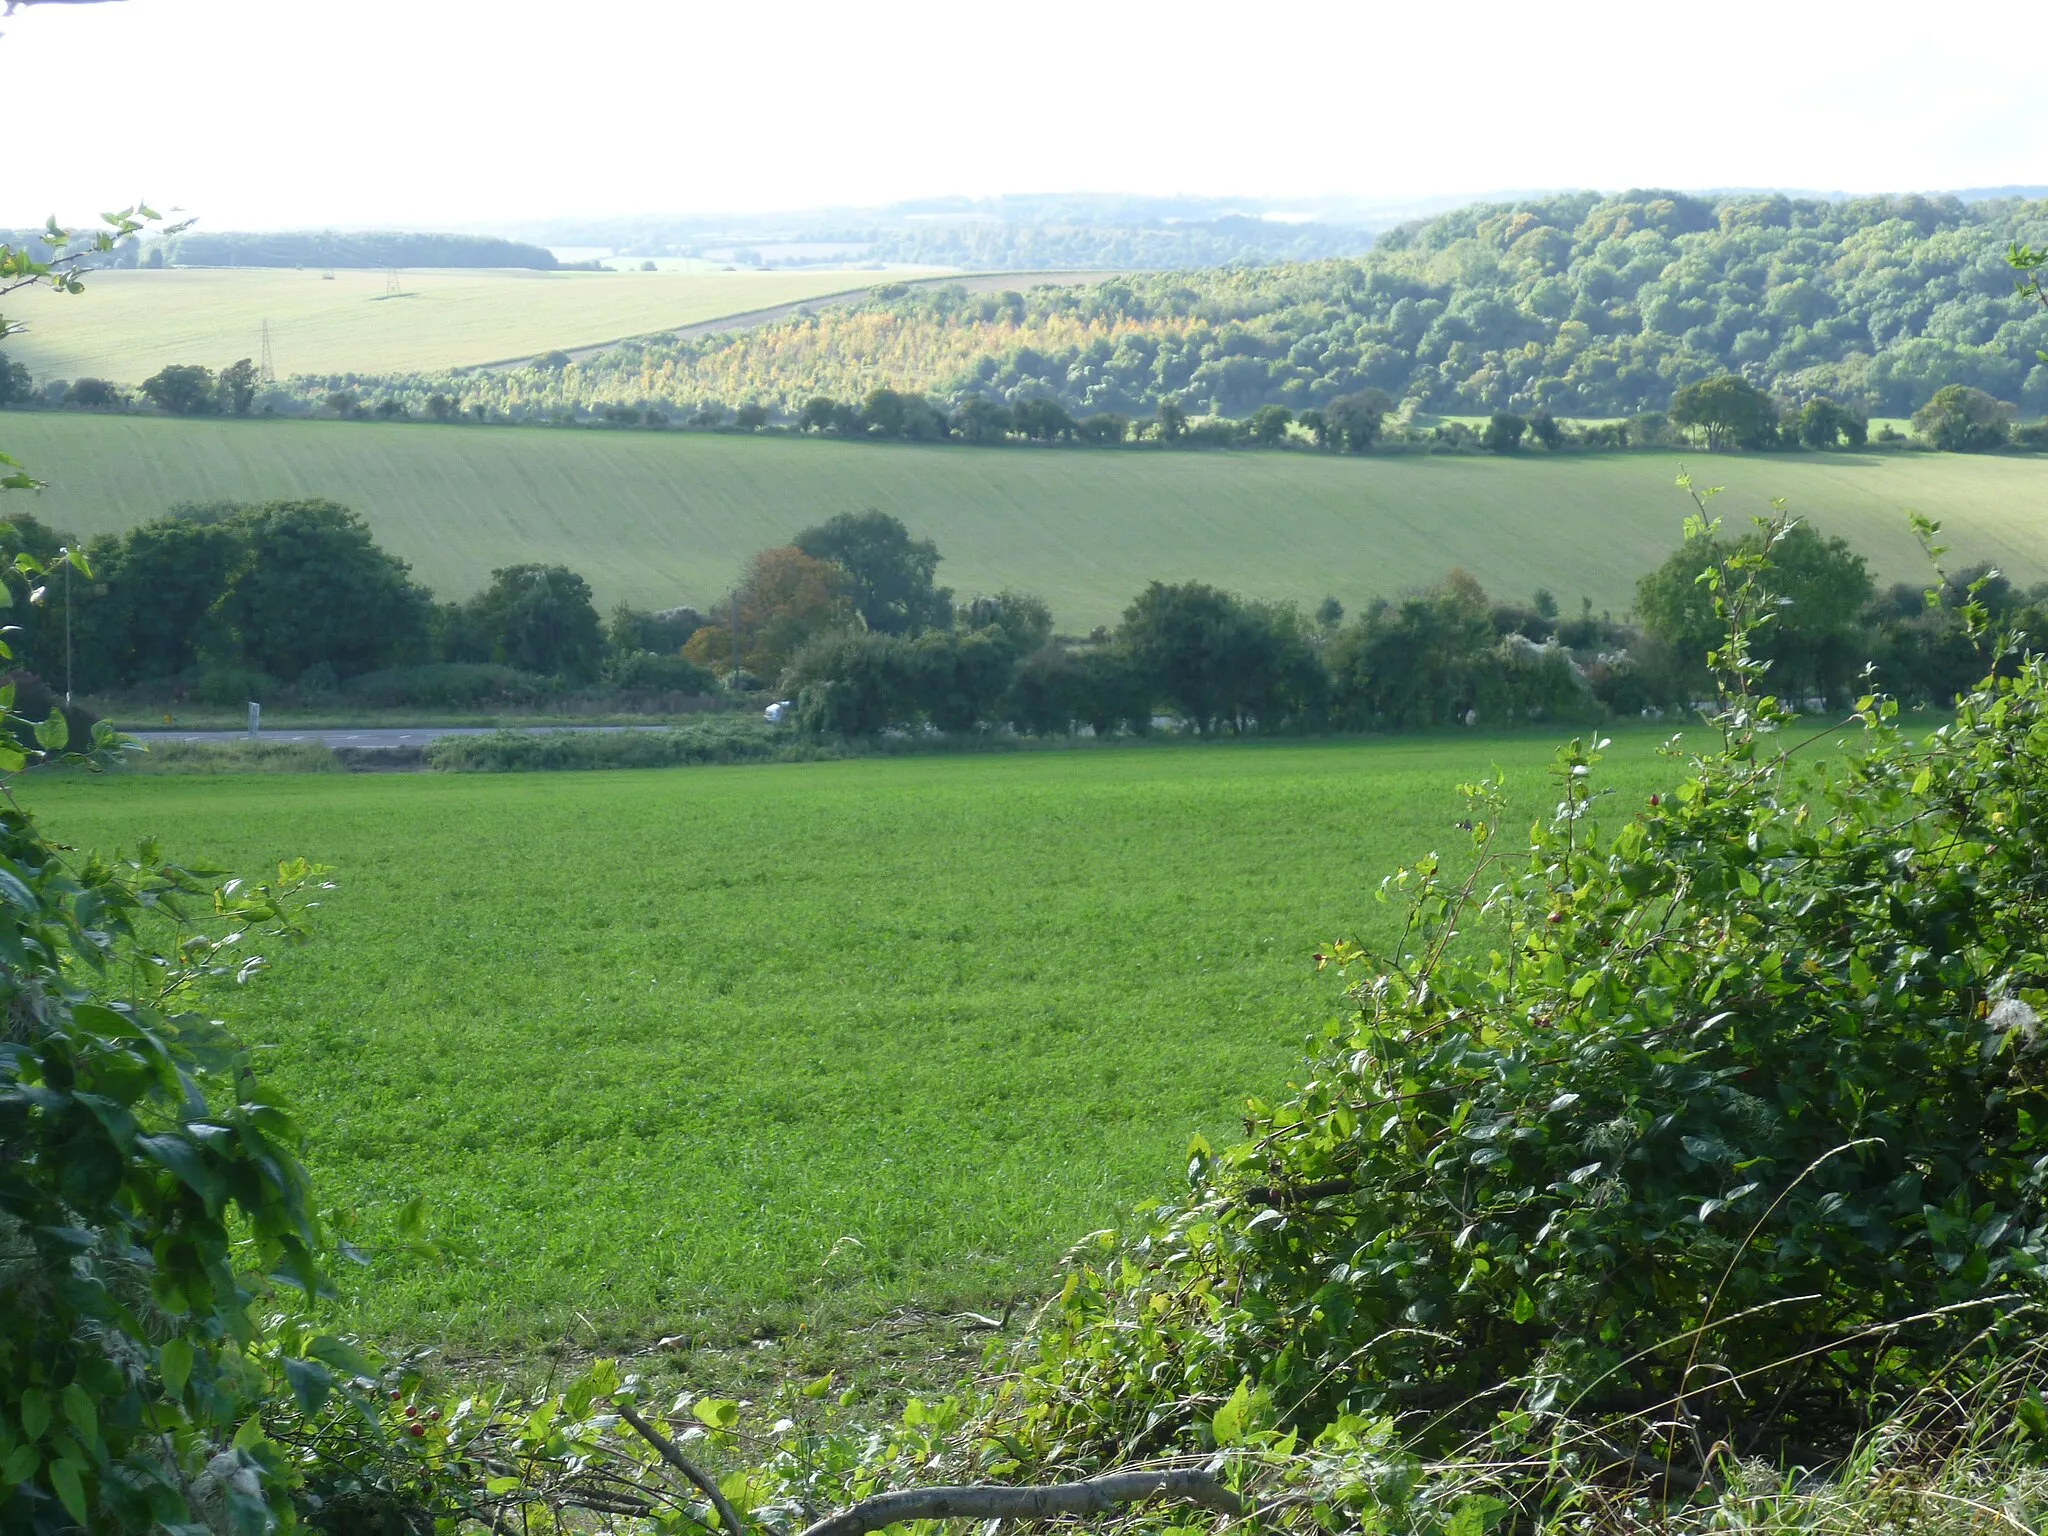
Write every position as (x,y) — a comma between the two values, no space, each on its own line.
(266,113)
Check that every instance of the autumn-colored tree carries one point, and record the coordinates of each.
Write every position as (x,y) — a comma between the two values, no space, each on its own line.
(787,598)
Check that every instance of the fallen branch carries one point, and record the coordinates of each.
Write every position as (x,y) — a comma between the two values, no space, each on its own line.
(728,1518)
(1297,1194)
(1096,1496)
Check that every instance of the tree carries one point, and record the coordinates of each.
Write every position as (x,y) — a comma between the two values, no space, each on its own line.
(1353,422)
(150,616)
(182,389)
(1219,661)
(1104,429)
(1822,424)
(540,618)
(16,387)
(1503,433)
(981,420)
(1960,419)
(237,387)
(1545,429)
(1269,424)
(1729,412)
(787,599)
(893,413)
(1813,639)
(1024,618)
(888,573)
(1042,421)
(313,586)
(752,416)
(94,395)
(442,409)
(1173,419)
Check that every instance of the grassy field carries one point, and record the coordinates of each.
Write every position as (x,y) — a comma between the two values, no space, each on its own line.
(664,518)
(132,323)
(689,1050)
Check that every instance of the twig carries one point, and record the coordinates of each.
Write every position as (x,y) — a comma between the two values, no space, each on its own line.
(727,1516)
(1095,1496)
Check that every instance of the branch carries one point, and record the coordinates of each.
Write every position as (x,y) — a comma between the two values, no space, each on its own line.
(727,1516)
(1096,1496)
(1298,1194)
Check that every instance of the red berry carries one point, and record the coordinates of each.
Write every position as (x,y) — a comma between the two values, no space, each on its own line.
(396,1394)
(434,1413)
(1656,799)
(417,1429)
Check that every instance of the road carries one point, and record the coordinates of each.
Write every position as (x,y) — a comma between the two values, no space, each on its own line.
(373,736)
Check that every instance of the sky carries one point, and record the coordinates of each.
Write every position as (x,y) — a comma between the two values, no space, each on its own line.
(255,114)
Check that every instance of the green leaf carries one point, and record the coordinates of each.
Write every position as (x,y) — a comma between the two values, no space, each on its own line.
(185,1160)
(79,1409)
(718,1412)
(35,1413)
(64,1478)
(311,1383)
(1524,1307)
(1229,1423)
(1475,1516)
(20,1466)
(174,1361)
(54,733)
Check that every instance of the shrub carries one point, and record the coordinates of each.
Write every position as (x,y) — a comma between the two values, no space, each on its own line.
(647,671)
(449,684)
(231,686)
(1727,1110)
(36,700)
(725,741)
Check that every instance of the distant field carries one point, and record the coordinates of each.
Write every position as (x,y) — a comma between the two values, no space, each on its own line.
(130,324)
(664,518)
(802,1041)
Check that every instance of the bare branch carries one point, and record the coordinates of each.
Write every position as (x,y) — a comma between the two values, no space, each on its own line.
(1096,1496)
(728,1517)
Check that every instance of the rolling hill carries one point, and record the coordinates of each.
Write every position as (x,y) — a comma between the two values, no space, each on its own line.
(130,324)
(660,518)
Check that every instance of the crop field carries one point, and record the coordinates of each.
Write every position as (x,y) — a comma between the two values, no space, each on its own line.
(665,518)
(689,1052)
(133,323)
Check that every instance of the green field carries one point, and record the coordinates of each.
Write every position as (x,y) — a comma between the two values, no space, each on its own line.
(665,518)
(654,1044)
(130,324)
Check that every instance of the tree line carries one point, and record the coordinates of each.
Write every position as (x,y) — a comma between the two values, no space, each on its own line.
(1195,656)
(849,624)
(1579,306)
(227,601)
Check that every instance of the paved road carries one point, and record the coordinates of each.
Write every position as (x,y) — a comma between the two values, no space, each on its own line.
(383,736)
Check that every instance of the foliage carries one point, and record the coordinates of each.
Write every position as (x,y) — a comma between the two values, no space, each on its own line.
(1438,657)
(1816,642)
(787,599)
(1218,660)
(1722,1111)
(314,587)
(712,741)
(888,573)
(182,389)
(1729,412)
(652,671)
(536,618)
(1960,419)
(1579,305)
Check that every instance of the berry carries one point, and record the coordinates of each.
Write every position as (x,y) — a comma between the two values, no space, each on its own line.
(417,1429)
